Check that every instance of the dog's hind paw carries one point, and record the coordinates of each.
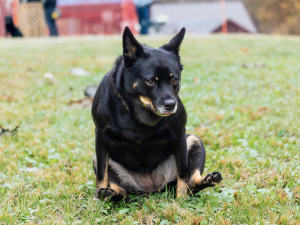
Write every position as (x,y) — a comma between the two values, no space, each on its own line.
(209,180)
(212,179)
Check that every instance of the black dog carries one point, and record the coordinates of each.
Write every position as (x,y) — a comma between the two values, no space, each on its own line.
(141,144)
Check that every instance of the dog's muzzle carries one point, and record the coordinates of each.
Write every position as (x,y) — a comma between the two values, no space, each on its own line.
(168,108)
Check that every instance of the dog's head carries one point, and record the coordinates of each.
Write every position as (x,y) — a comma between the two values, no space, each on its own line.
(152,76)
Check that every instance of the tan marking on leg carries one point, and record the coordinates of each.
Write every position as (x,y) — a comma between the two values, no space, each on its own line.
(146,102)
(182,188)
(196,178)
(156,78)
(192,140)
(119,190)
(103,183)
(135,84)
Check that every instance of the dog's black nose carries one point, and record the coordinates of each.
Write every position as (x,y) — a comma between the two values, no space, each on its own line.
(169,104)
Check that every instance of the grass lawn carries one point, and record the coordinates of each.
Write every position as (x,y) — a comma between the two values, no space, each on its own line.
(242,95)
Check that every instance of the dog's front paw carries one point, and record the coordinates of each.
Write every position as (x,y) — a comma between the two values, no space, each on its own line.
(105,193)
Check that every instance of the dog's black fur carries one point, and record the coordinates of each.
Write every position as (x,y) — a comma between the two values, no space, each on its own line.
(141,144)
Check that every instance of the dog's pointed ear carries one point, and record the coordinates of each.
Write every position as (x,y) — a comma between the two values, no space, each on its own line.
(132,49)
(174,44)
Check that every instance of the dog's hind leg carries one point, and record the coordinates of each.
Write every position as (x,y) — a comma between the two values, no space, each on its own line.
(196,163)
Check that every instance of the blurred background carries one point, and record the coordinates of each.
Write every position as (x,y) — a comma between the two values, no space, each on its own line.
(93,17)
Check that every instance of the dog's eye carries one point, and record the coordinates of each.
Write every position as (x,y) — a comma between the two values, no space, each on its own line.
(150,82)
(174,81)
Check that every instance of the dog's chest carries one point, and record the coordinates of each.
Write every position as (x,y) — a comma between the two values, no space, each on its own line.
(140,150)
(135,136)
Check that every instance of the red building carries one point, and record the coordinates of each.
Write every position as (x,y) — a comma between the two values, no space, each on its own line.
(96,16)
(3,13)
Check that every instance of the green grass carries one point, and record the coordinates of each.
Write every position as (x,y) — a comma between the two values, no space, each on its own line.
(248,117)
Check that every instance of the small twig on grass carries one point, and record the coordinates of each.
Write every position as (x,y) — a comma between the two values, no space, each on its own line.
(7,131)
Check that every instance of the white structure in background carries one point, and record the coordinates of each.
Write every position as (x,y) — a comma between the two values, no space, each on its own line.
(202,17)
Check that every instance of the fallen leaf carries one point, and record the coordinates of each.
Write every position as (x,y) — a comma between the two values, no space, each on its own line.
(49,77)
(123,211)
(90,91)
(80,72)
(254,65)
(81,103)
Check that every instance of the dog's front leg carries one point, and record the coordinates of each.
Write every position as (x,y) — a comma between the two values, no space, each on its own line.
(181,157)
(106,187)
(101,168)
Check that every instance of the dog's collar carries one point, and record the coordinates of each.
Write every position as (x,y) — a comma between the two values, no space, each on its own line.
(123,101)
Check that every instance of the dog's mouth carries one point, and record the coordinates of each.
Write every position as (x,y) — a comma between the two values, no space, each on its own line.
(159,110)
